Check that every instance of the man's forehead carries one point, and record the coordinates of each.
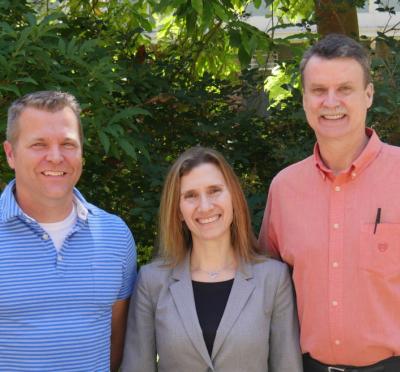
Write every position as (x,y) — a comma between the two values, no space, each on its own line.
(32,109)
(317,59)
(42,123)
(344,68)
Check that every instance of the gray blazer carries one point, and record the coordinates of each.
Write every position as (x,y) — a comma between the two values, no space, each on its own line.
(258,331)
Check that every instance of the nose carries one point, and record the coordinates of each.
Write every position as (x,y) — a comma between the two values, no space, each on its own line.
(54,154)
(331,99)
(205,203)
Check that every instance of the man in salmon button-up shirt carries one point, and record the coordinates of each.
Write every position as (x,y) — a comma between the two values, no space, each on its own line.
(335,219)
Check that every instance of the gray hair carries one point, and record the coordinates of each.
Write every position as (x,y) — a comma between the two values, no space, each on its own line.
(50,101)
(338,46)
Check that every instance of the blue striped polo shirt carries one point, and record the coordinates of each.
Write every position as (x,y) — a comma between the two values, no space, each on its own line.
(55,309)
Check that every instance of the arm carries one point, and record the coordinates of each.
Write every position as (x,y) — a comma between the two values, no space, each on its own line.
(267,238)
(140,342)
(284,353)
(118,326)
(121,306)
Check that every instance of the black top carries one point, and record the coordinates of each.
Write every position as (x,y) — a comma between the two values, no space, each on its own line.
(210,300)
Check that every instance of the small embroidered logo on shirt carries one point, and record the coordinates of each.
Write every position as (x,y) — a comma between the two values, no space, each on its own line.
(383,247)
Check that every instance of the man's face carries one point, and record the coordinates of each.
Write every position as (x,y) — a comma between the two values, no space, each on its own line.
(47,157)
(335,98)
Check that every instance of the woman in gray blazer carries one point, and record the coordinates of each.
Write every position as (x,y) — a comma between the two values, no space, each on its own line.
(213,301)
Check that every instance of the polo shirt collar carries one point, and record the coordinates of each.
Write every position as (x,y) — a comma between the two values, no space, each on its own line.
(10,209)
(370,152)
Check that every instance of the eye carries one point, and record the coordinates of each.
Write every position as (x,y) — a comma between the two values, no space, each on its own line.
(318,91)
(345,90)
(190,195)
(38,145)
(214,190)
(69,145)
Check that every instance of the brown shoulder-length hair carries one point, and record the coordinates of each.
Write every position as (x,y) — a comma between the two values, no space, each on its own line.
(174,237)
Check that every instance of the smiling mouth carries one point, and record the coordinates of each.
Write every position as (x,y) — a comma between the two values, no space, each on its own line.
(205,221)
(54,173)
(333,117)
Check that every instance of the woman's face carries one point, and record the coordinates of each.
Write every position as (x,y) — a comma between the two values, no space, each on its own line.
(206,204)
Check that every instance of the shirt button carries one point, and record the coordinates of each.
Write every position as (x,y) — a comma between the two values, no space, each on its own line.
(353,174)
(337,188)
(60,258)
(336,226)
(337,342)
(334,303)
(335,264)
(45,237)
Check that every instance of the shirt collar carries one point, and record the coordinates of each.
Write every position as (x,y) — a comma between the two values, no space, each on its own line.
(369,153)
(9,207)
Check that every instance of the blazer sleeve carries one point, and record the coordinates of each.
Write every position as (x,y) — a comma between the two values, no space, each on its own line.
(140,343)
(284,354)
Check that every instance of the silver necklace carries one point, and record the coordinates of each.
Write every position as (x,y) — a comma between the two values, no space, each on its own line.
(213,274)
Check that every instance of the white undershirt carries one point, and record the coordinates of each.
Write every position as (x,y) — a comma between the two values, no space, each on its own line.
(58,231)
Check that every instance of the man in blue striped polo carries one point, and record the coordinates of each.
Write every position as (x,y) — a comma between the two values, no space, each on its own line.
(66,267)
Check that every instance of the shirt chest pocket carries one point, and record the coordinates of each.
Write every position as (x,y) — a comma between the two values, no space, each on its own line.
(380,251)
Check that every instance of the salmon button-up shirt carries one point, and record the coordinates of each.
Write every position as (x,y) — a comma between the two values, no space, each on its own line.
(346,270)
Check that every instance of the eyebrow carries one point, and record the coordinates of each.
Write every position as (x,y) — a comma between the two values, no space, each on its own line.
(215,185)
(347,82)
(45,138)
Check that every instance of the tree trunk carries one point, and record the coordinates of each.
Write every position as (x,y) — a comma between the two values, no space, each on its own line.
(336,16)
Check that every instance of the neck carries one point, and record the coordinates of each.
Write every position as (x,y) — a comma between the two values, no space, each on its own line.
(338,155)
(45,212)
(211,256)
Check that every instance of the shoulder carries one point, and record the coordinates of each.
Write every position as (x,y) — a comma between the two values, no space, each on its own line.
(115,225)
(271,271)
(108,233)
(391,151)
(388,160)
(293,171)
(155,273)
(103,215)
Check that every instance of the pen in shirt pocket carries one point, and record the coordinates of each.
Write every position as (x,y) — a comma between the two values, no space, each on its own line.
(377,219)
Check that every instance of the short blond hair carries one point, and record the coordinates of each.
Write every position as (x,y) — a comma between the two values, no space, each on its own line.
(46,100)
(174,237)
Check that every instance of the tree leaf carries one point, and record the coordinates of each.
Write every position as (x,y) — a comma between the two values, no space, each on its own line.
(10,88)
(105,141)
(27,80)
(220,12)
(198,6)
(128,113)
(244,57)
(127,147)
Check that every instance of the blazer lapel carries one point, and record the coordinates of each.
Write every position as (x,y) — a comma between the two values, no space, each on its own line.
(241,290)
(182,293)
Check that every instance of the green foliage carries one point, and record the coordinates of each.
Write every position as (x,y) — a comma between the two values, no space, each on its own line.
(385,112)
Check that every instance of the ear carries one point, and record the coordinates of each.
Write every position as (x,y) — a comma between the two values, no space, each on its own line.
(370,94)
(9,151)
